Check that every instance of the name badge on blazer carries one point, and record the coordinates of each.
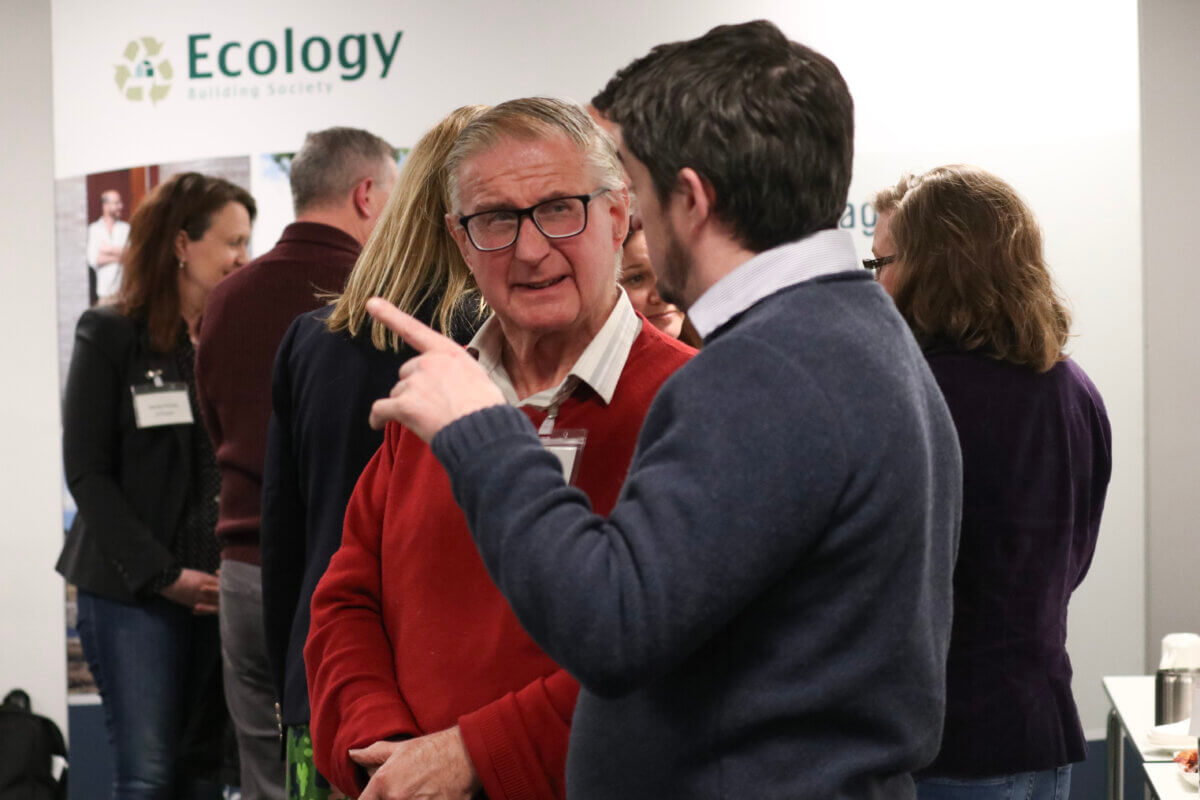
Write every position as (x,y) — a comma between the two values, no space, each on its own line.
(161,403)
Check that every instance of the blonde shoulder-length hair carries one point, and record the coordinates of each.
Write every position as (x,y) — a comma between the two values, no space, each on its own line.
(970,273)
(410,258)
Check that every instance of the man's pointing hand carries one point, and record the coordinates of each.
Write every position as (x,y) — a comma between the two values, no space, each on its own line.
(437,386)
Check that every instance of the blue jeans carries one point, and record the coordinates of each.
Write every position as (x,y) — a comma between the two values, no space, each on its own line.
(158,669)
(1051,784)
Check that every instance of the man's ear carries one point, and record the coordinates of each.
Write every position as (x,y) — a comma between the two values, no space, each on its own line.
(361,198)
(621,216)
(696,198)
(459,233)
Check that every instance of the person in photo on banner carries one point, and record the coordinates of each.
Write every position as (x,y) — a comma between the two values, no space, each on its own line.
(331,365)
(422,681)
(340,181)
(141,469)
(106,238)
(963,260)
(765,611)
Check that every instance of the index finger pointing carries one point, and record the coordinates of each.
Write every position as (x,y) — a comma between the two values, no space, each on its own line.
(419,336)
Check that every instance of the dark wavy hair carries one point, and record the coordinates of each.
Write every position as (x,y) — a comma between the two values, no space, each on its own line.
(769,123)
(970,273)
(150,284)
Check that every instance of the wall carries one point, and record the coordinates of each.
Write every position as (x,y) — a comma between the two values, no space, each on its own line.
(1170,63)
(1045,94)
(32,651)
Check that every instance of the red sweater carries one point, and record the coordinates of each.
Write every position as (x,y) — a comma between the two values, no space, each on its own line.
(435,644)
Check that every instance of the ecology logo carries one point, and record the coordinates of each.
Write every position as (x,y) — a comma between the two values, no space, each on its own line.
(145,74)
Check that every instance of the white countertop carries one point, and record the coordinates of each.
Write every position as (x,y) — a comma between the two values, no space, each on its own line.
(1133,698)
(1167,783)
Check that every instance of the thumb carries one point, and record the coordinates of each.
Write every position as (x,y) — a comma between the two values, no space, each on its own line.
(420,336)
(371,756)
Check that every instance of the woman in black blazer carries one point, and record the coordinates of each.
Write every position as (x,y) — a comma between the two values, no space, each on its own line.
(139,464)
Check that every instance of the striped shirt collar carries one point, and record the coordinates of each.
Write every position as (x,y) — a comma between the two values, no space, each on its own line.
(822,253)
(599,366)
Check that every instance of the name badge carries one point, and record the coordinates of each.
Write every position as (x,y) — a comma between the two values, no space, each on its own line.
(160,403)
(567,447)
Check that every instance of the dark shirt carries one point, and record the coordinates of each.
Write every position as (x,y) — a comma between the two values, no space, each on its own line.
(1037,456)
(194,546)
(766,611)
(244,321)
(317,445)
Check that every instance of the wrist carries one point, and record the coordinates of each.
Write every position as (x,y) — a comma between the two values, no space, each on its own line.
(162,581)
(467,769)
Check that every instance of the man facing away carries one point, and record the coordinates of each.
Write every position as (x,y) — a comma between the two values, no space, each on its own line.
(106,238)
(765,612)
(340,179)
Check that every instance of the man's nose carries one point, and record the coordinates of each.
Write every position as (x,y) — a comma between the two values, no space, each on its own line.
(532,245)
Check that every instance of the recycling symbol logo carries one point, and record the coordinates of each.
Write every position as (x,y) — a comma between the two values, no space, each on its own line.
(144,74)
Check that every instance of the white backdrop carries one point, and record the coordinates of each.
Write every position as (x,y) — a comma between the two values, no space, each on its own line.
(1043,93)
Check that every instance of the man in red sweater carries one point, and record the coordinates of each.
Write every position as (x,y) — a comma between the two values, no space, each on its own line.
(340,180)
(421,680)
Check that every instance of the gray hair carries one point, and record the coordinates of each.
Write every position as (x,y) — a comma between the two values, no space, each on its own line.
(531,118)
(331,162)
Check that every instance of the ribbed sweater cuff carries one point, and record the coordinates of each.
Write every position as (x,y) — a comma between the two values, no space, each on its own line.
(462,439)
(488,739)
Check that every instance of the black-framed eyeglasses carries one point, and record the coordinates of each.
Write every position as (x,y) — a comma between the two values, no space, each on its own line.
(560,218)
(876,264)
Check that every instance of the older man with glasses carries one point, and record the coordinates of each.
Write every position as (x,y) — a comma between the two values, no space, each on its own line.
(422,681)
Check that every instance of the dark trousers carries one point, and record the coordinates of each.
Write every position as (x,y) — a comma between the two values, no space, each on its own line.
(158,669)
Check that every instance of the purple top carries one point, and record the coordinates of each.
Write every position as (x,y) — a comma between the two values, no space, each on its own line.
(1037,455)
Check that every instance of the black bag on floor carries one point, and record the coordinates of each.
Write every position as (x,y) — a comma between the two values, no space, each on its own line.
(28,744)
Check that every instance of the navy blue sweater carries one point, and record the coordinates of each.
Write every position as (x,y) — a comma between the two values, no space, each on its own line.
(318,442)
(766,611)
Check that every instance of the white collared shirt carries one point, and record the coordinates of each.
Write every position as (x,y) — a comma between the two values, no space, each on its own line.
(822,253)
(599,366)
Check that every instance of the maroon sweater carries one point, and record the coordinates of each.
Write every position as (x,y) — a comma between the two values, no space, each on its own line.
(244,321)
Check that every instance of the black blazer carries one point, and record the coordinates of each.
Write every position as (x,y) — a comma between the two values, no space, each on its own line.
(130,484)
(318,443)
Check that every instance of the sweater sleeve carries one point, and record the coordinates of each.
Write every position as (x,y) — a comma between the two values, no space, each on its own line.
(708,518)
(351,677)
(518,743)
(283,521)
(92,406)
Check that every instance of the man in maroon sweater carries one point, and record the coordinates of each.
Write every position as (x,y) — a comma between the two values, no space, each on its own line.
(341,179)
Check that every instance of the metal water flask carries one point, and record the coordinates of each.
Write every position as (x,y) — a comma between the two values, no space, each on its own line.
(1173,695)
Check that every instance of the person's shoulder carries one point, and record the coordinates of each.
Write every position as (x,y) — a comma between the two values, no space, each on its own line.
(311,322)
(242,282)
(107,328)
(660,347)
(311,351)
(1072,374)
(309,332)
(106,320)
